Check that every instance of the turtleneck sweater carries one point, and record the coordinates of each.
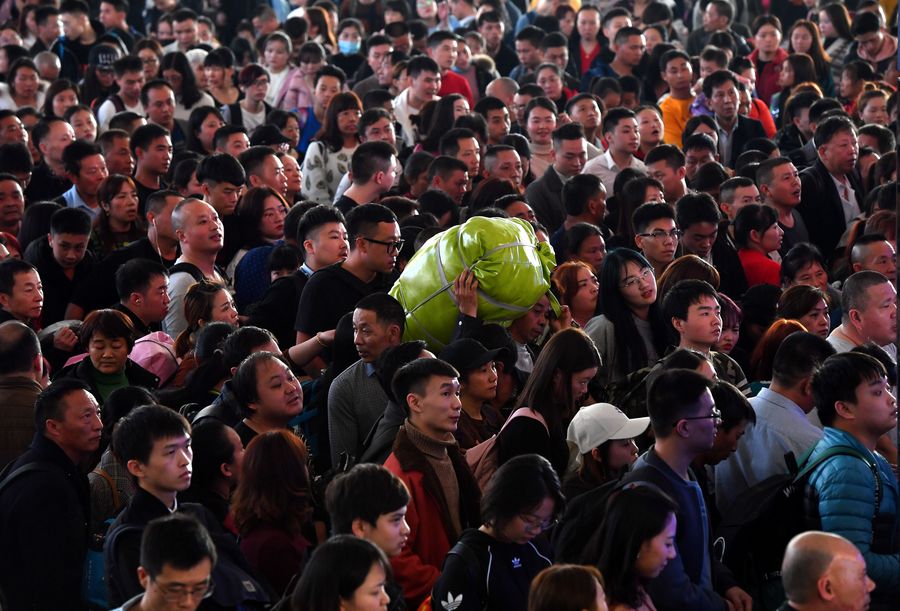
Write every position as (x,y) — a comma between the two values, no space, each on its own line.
(435,452)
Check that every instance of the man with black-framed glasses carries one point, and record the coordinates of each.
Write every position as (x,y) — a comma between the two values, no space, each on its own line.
(177,559)
(333,291)
(684,418)
(657,235)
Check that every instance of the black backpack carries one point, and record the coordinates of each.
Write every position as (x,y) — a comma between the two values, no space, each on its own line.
(767,516)
(580,522)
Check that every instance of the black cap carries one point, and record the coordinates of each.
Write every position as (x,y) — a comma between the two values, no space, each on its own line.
(467,354)
(268,135)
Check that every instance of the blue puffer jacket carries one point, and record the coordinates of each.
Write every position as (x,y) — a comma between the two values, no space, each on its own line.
(845,488)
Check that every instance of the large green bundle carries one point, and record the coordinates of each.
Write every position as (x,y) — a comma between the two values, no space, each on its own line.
(511,266)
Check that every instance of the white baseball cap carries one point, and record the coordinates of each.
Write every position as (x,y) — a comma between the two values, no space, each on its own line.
(596,424)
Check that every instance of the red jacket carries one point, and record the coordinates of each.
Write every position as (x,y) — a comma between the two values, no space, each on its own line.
(767,78)
(454,83)
(431,532)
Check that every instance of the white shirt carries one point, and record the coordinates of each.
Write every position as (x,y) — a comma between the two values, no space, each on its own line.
(604,168)
(276,80)
(404,112)
(781,427)
(848,198)
(841,342)
(107,111)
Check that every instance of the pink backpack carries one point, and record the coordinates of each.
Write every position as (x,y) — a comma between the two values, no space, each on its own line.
(483,458)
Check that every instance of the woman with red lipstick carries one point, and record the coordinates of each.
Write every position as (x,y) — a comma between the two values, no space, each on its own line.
(272,504)
(629,310)
(119,223)
(492,567)
(108,337)
(269,394)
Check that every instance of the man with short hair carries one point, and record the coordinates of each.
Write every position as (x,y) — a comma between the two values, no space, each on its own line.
(45,503)
(158,100)
(49,28)
(490,25)
(868,304)
(620,129)
(23,373)
(677,72)
(854,402)
(496,115)
(699,149)
(824,572)
(698,218)
(12,203)
(461,143)
(129,76)
(692,308)
(735,130)
(86,168)
(463,12)
(231,139)
(51,136)
(583,108)
(375,242)
(222,179)
(115,145)
(875,253)
(62,260)
(629,46)
(374,168)
(584,200)
(792,137)
(263,168)
(443,50)
(505,89)
(450,176)
(569,158)
(717,17)
(184,24)
(779,183)
(666,164)
(151,146)
(781,424)
(444,496)
(528,51)
(503,161)
(656,234)
(872,43)
(424,77)
(366,78)
(200,233)
(143,297)
(177,555)
(831,189)
(114,17)
(74,47)
(684,420)
(356,398)
(736,193)
(322,236)
(11,128)
(21,293)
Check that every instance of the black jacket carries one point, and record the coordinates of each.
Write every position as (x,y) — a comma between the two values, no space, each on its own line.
(84,369)
(225,408)
(746,130)
(821,207)
(545,196)
(44,517)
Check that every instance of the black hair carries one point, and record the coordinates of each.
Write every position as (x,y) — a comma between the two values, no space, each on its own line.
(691,126)
(314,218)
(669,153)
(438,204)
(335,571)
(797,258)
(798,357)
(414,378)
(854,295)
(222,167)
(178,540)
(76,152)
(242,343)
(673,394)
(388,310)
(449,142)
(70,220)
(865,22)
(649,212)
(134,436)
(683,295)
(838,378)
(577,190)
(363,220)
(366,492)
(568,131)
(369,158)
(134,276)
(612,118)
(696,208)
(752,217)
(830,127)
(17,353)
(519,487)
(143,136)
(733,405)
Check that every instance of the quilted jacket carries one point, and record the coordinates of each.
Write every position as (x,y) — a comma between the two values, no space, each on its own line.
(846,493)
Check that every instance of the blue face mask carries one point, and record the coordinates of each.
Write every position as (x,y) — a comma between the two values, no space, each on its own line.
(348,47)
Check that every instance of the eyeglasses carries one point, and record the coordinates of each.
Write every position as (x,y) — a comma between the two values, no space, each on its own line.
(151,61)
(675,234)
(176,594)
(633,281)
(714,414)
(532,526)
(392,246)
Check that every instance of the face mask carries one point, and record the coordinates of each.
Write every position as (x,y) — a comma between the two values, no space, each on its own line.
(348,47)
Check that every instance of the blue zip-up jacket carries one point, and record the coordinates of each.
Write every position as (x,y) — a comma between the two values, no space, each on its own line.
(845,490)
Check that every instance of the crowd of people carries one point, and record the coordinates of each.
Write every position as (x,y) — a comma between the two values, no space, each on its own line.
(211,396)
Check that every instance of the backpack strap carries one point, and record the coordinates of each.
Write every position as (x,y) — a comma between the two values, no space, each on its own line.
(833,451)
(117,501)
(527,412)
(187,268)
(32,466)
(473,564)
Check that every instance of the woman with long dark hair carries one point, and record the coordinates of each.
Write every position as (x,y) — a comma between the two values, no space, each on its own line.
(176,69)
(119,222)
(797,68)
(807,305)
(834,24)
(23,87)
(634,543)
(61,95)
(804,37)
(345,573)
(442,117)
(203,123)
(261,211)
(521,501)
(555,390)
(328,156)
(629,310)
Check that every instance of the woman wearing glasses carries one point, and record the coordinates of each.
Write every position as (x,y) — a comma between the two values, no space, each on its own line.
(629,310)
(492,567)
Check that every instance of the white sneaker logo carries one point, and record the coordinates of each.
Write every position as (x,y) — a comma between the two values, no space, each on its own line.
(452,603)
(516,563)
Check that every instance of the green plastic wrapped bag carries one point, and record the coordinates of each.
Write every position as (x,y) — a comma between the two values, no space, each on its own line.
(511,266)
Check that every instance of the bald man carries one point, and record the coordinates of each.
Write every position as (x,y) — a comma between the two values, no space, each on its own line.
(824,572)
